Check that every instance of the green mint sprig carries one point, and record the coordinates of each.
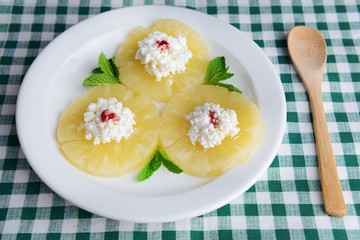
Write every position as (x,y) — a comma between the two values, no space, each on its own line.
(216,72)
(158,157)
(106,73)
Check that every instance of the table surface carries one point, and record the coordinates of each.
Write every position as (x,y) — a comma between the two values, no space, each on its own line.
(286,202)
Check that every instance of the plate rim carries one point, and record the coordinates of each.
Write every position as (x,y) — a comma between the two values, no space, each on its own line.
(163,215)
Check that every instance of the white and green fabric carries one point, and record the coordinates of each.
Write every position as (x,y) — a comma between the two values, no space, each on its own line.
(285,203)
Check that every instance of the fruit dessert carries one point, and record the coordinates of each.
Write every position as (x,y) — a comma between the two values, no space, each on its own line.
(163,59)
(109,131)
(208,130)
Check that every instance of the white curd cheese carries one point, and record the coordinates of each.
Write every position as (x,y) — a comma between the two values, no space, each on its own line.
(108,120)
(210,124)
(163,55)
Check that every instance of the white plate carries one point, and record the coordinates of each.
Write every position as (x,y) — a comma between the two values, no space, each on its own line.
(55,79)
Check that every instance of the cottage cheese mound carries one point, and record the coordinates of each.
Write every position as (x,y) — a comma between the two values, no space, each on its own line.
(103,128)
(210,124)
(163,55)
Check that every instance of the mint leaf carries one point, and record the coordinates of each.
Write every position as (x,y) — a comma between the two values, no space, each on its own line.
(170,165)
(97,70)
(115,69)
(99,79)
(106,73)
(229,87)
(105,65)
(152,165)
(217,71)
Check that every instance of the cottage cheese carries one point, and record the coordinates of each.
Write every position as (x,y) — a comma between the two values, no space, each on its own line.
(210,124)
(103,128)
(163,55)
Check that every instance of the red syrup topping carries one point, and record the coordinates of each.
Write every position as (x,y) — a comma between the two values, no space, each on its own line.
(214,120)
(107,115)
(163,45)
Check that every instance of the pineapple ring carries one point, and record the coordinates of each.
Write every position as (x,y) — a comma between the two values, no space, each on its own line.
(133,73)
(109,159)
(194,159)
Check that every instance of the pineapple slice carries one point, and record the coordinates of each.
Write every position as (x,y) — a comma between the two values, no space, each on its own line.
(194,159)
(134,75)
(109,159)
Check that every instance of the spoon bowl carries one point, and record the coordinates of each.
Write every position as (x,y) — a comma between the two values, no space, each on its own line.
(307,48)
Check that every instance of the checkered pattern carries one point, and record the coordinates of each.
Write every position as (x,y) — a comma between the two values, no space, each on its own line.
(285,203)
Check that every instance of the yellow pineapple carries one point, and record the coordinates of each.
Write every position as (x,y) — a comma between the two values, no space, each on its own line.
(134,75)
(109,159)
(196,160)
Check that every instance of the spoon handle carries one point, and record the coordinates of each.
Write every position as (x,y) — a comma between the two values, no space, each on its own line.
(330,183)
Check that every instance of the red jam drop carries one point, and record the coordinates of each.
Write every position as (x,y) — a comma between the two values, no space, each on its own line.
(108,115)
(214,120)
(163,45)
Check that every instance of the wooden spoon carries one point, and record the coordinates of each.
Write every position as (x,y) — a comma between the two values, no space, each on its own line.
(307,49)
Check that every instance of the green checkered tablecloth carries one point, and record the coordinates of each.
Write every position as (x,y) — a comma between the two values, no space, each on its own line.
(285,203)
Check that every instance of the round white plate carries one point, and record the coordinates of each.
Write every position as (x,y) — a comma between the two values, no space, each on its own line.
(55,79)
